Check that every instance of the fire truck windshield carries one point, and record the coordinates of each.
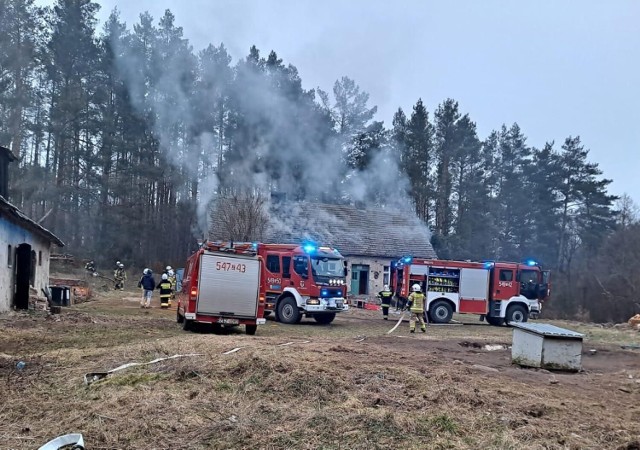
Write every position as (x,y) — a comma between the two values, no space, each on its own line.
(529,280)
(327,267)
(529,276)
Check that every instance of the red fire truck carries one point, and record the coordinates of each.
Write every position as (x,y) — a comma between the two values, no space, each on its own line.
(500,292)
(222,285)
(303,280)
(297,280)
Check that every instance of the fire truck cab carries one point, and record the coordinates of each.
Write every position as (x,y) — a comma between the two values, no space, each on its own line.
(303,280)
(500,292)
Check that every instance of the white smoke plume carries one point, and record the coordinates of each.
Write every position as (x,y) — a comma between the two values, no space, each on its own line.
(307,157)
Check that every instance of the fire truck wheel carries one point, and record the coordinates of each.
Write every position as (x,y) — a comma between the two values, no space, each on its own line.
(251,329)
(517,313)
(495,321)
(179,318)
(440,312)
(288,311)
(325,319)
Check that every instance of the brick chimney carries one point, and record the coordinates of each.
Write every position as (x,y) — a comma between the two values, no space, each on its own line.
(278,197)
(5,158)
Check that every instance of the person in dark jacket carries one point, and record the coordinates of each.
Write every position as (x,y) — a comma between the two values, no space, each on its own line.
(385,297)
(148,284)
(165,291)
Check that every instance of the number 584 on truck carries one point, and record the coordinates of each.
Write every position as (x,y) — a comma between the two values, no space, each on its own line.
(500,292)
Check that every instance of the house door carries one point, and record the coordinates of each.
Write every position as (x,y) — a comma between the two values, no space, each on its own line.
(359,280)
(23,275)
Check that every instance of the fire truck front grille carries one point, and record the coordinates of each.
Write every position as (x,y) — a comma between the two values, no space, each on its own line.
(330,293)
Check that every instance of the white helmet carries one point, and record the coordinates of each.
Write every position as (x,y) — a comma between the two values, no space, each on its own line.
(168,268)
(386,287)
(416,288)
(121,265)
(171,273)
(117,263)
(145,271)
(164,276)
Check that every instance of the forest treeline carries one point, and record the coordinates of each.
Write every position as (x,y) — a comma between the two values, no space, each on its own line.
(125,134)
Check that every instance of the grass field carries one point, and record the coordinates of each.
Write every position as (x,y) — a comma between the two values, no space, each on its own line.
(348,385)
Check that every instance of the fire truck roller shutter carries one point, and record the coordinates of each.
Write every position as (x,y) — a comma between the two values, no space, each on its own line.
(228,284)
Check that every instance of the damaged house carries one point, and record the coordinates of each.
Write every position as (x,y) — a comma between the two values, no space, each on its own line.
(369,238)
(24,249)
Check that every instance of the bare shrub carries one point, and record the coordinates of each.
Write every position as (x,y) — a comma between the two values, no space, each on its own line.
(239,215)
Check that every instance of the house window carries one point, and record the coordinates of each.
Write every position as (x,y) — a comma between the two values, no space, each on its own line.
(273,263)
(386,276)
(40,258)
(9,256)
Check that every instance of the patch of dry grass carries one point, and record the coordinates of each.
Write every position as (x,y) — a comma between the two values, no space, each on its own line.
(331,393)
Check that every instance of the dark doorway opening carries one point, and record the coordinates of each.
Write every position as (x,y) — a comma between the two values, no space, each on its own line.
(23,276)
(359,279)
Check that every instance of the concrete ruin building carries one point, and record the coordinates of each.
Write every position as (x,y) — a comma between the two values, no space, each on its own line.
(25,247)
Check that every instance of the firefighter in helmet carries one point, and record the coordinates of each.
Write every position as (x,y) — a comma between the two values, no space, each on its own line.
(120,276)
(165,291)
(91,267)
(415,304)
(173,279)
(385,296)
(171,276)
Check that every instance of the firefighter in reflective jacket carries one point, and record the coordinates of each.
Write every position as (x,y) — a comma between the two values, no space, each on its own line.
(119,276)
(416,306)
(385,297)
(165,291)
(173,280)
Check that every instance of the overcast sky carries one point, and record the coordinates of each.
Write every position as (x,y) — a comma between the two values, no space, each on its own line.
(558,68)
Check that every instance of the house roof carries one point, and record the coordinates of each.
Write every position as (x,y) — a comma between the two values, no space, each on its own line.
(19,217)
(371,232)
(9,154)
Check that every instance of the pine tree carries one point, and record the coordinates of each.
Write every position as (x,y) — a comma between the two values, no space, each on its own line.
(73,56)
(447,142)
(542,177)
(586,213)
(472,223)
(513,212)
(417,159)
(23,100)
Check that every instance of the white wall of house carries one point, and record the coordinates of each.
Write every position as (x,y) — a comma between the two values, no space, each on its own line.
(378,273)
(11,236)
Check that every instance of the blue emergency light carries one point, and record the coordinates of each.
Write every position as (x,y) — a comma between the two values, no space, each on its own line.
(531,262)
(309,248)
(407,259)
